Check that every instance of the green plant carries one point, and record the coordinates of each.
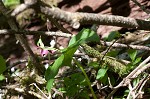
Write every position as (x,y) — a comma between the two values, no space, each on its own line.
(86,35)
(75,85)
(134,59)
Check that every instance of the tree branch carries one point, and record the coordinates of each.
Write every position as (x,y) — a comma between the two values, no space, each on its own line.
(89,18)
(61,34)
(75,19)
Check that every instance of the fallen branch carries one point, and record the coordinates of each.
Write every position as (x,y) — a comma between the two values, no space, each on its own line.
(75,19)
(89,18)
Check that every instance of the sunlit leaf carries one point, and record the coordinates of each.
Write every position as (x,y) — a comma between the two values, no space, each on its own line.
(2,77)
(11,2)
(132,54)
(113,35)
(137,60)
(85,35)
(52,71)
(101,73)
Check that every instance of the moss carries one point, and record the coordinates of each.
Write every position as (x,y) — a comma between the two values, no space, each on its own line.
(116,65)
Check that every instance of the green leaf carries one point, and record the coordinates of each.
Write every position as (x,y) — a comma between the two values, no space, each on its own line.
(137,60)
(135,81)
(64,59)
(132,54)
(49,84)
(72,90)
(113,53)
(40,43)
(11,2)
(2,77)
(62,89)
(101,73)
(52,71)
(94,64)
(2,64)
(84,95)
(68,54)
(112,35)
(74,83)
(85,35)
(77,78)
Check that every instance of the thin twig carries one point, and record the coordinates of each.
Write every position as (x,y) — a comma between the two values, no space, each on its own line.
(36,94)
(61,34)
(131,91)
(39,90)
(119,45)
(109,48)
(138,70)
(144,62)
(51,33)
(139,86)
(143,82)
(141,6)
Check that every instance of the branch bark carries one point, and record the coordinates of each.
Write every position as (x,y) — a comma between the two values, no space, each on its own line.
(89,18)
(75,19)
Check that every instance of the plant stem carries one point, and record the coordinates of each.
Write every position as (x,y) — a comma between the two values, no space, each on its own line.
(86,77)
